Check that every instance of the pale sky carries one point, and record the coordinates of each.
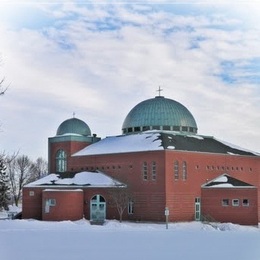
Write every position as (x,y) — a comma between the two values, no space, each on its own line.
(100,60)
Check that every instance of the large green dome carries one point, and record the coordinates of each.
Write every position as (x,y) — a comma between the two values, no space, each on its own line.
(159,113)
(73,126)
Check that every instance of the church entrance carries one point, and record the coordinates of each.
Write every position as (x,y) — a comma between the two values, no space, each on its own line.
(98,209)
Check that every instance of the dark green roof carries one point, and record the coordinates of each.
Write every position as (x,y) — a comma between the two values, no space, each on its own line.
(73,126)
(159,113)
(199,143)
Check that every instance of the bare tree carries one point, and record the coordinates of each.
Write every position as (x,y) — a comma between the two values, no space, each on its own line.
(39,169)
(19,170)
(121,197)
(2,88)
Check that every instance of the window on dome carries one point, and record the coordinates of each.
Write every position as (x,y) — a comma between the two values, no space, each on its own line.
(137,129)
(176,128)
(166,127)
(130,129)
(61,161)
(184,128)
(156,127)
(145,128)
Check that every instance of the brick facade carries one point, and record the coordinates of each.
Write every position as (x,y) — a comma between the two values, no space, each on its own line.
(158,188)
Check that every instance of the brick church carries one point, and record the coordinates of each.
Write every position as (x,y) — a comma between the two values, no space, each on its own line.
(159,163)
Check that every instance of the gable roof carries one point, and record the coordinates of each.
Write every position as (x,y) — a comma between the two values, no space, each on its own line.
(226,181)
(162,140)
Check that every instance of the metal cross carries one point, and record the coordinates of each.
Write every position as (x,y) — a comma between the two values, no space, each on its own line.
(159,90)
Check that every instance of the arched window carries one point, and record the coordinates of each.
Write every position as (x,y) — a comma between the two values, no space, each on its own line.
(61,161)
(176,170)
(184,171)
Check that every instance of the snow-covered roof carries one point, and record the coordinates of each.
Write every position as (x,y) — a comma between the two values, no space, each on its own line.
(226,181)
(93,179)
(146,141)
(160,140)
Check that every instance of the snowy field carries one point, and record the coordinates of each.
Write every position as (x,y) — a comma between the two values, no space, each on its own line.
(38,240)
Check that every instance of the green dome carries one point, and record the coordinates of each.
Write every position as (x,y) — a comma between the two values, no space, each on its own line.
(73,126)
(159,113)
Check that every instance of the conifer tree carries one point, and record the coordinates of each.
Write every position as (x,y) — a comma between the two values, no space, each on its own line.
(4,187)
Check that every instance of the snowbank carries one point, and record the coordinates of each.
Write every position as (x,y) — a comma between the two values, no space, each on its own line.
(30,240)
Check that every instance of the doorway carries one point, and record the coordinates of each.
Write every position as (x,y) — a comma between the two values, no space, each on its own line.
(97,209)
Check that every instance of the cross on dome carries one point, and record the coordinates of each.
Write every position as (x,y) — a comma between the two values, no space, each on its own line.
(159,90)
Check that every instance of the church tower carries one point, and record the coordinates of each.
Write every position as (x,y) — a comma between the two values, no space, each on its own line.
(72,135)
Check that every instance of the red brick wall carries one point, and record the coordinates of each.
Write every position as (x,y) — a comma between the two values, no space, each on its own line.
(68,206)
(32,203)
(211,202)
(149,195)
(202,167)
(152,196)
(69,147)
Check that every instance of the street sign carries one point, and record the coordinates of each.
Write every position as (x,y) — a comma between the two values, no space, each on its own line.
(167,212)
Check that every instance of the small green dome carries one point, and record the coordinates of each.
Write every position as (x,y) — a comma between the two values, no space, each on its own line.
(159,113)
(74,126)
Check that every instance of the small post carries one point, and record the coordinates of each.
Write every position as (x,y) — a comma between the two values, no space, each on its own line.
(166,212)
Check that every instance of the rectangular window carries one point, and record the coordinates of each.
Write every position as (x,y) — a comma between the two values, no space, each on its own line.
(245,202)
(31,193)
(145,171)
(225,202)
(130,207)
(153,171)
(184,171)
(197,200)
(52,202)
(235,202)
(176,170)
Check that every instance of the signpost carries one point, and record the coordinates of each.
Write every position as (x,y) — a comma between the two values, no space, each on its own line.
(166,213)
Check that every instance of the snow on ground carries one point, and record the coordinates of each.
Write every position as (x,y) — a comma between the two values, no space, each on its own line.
(67,240)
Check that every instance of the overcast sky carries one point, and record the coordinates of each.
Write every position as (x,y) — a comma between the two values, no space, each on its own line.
(100,60)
